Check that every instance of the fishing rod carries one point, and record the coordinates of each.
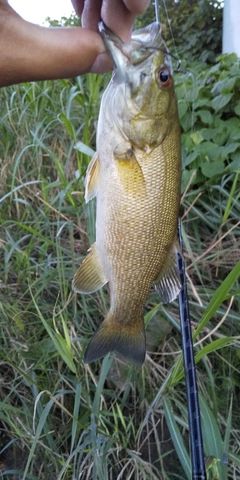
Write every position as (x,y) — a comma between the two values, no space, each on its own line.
(194,420)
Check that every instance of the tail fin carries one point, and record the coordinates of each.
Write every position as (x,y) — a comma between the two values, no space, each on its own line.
(126,340)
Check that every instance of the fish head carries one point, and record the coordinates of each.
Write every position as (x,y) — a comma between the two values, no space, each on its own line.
(143,102)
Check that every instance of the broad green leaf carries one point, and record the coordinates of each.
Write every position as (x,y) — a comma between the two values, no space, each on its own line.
(206,116)
(197,137)
(224,86)
(191,93)
(230,148)
(211,169)
(183,107)
(221,100)
(237,109)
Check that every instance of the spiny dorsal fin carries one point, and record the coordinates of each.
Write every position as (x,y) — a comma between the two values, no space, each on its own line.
(92,178)
(168,284)
(118,338)
(90,276)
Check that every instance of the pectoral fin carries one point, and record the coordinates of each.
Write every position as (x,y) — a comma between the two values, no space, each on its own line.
(90,276)
(130,172)
(168,284)
(92,178)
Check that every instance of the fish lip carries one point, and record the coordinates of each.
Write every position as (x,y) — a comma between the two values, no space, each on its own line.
(153,30)
(143,41)
(107,34)
(119,51)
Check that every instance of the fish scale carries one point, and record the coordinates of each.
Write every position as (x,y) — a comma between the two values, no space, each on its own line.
(135,176)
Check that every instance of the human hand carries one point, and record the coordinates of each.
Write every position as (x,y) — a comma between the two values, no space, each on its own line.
(118,15)
(29,52)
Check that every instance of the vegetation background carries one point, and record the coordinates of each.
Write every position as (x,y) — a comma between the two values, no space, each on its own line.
(61,419)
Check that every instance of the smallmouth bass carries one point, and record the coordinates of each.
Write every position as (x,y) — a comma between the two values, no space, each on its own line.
(135,176)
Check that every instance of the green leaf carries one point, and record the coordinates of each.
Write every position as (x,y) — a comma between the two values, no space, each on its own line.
(183,107)
(177,438)
(211,169)
(218,298)
(151,314)
(61,344)
(224,86)
(197,137)
(81,147)
(237,109)
(206,116)
(192,93)
(213,346)
(68,125)
(212,440)
(231,197)
(221,100)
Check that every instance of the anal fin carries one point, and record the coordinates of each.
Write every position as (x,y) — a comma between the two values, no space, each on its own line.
(90,276)
(168,283)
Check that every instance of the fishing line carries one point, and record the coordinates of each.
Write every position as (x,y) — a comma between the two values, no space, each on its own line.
(157,15)
(157,12)
(170,28)
(195,431)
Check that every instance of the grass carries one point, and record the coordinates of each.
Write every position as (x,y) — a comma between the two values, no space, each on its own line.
(59,418)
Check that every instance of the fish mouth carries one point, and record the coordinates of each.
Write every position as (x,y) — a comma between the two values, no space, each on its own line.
(119,51)
(142,44)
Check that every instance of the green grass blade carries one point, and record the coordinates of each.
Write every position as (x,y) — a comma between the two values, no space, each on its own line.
(106,364)
(62,345)
(218,298)
(177,439)
(212,440)
(77,401)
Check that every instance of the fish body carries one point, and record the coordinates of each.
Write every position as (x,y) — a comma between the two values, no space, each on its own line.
(135,176)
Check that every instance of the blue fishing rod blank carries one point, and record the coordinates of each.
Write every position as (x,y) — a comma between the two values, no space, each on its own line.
(195,431)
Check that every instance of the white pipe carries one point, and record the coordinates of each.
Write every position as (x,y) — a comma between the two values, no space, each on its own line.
(231,27)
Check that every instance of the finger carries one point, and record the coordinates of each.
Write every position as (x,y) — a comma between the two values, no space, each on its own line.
(136,6)
(78,6)
(119,16)
(91,14)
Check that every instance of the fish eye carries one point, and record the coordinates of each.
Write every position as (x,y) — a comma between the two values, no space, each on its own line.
(164,77)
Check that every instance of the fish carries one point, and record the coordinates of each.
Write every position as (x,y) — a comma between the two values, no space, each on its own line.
(135,176)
